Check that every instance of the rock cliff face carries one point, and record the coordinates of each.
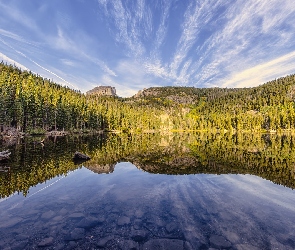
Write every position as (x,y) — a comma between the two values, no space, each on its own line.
(184,95)
(102,91)
(147,92)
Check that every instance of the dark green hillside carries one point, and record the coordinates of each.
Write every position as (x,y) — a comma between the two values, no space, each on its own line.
(173,96)
(266,107)
(32,104)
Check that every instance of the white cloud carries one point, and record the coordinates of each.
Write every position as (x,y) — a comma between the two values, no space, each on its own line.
(213,43)
(267,192)
(263,72)
(161,31)
(127,32)
(131,24)
(10,35)
(68,62)
(13,13)
(131,77)
(70,45)
(5,58)
(102,65)
(248,37)
(238,39)
(62,42)
(37,64)
(196,17)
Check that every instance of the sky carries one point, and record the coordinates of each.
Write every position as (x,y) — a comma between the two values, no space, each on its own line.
(137,44)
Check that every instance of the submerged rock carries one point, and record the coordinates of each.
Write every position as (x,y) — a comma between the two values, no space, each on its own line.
(102,242)
(172,226)
(10,222)
(139,213)
(47,215)
(246,247)
(124,220)
(137,224)
(139,235)
(163,244)
(88,222)
(77,233)
(219,242)
(76,216)
(128,245)
(20,245)
(46,242)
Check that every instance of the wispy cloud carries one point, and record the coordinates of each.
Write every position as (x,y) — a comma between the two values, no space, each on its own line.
(196,17)
(70,49)
(131,24)
(40,66)
(132,77)
(68,62)
(161,31)
(244,41)
(101,64)
(5,58)
(262,72)
(15,14)
(9,34)
(71,46)
(136,44)
(216,40)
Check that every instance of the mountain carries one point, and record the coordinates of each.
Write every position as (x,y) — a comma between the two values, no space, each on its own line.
(276,91)
(269,106)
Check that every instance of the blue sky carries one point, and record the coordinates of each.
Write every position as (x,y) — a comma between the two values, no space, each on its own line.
(136,44)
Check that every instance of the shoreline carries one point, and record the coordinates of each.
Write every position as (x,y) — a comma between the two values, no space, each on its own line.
(11,133)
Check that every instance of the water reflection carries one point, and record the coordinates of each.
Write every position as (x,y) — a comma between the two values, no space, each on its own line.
(209,193)
(132,209)
(269,156)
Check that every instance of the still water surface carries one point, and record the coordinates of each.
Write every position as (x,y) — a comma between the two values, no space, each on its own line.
(199,204)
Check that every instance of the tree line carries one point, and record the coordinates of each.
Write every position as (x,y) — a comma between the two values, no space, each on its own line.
(268,107)
(33,104)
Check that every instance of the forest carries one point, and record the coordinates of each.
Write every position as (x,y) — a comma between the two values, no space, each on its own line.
(34,105)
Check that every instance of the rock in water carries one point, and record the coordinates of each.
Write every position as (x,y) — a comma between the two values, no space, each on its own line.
(123,221)
(80,157)
(219,242)
(46,242)
(163,244)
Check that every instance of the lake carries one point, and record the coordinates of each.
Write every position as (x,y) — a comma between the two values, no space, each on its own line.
(150,191)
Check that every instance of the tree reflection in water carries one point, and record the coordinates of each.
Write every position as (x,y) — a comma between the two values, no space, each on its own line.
(270,156)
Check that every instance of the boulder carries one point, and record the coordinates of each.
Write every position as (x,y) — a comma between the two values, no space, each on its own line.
(124,220)
(80,157)
(46,242)
(219,242)
(163,244)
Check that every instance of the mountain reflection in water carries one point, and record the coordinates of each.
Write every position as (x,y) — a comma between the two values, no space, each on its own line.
(208,193)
